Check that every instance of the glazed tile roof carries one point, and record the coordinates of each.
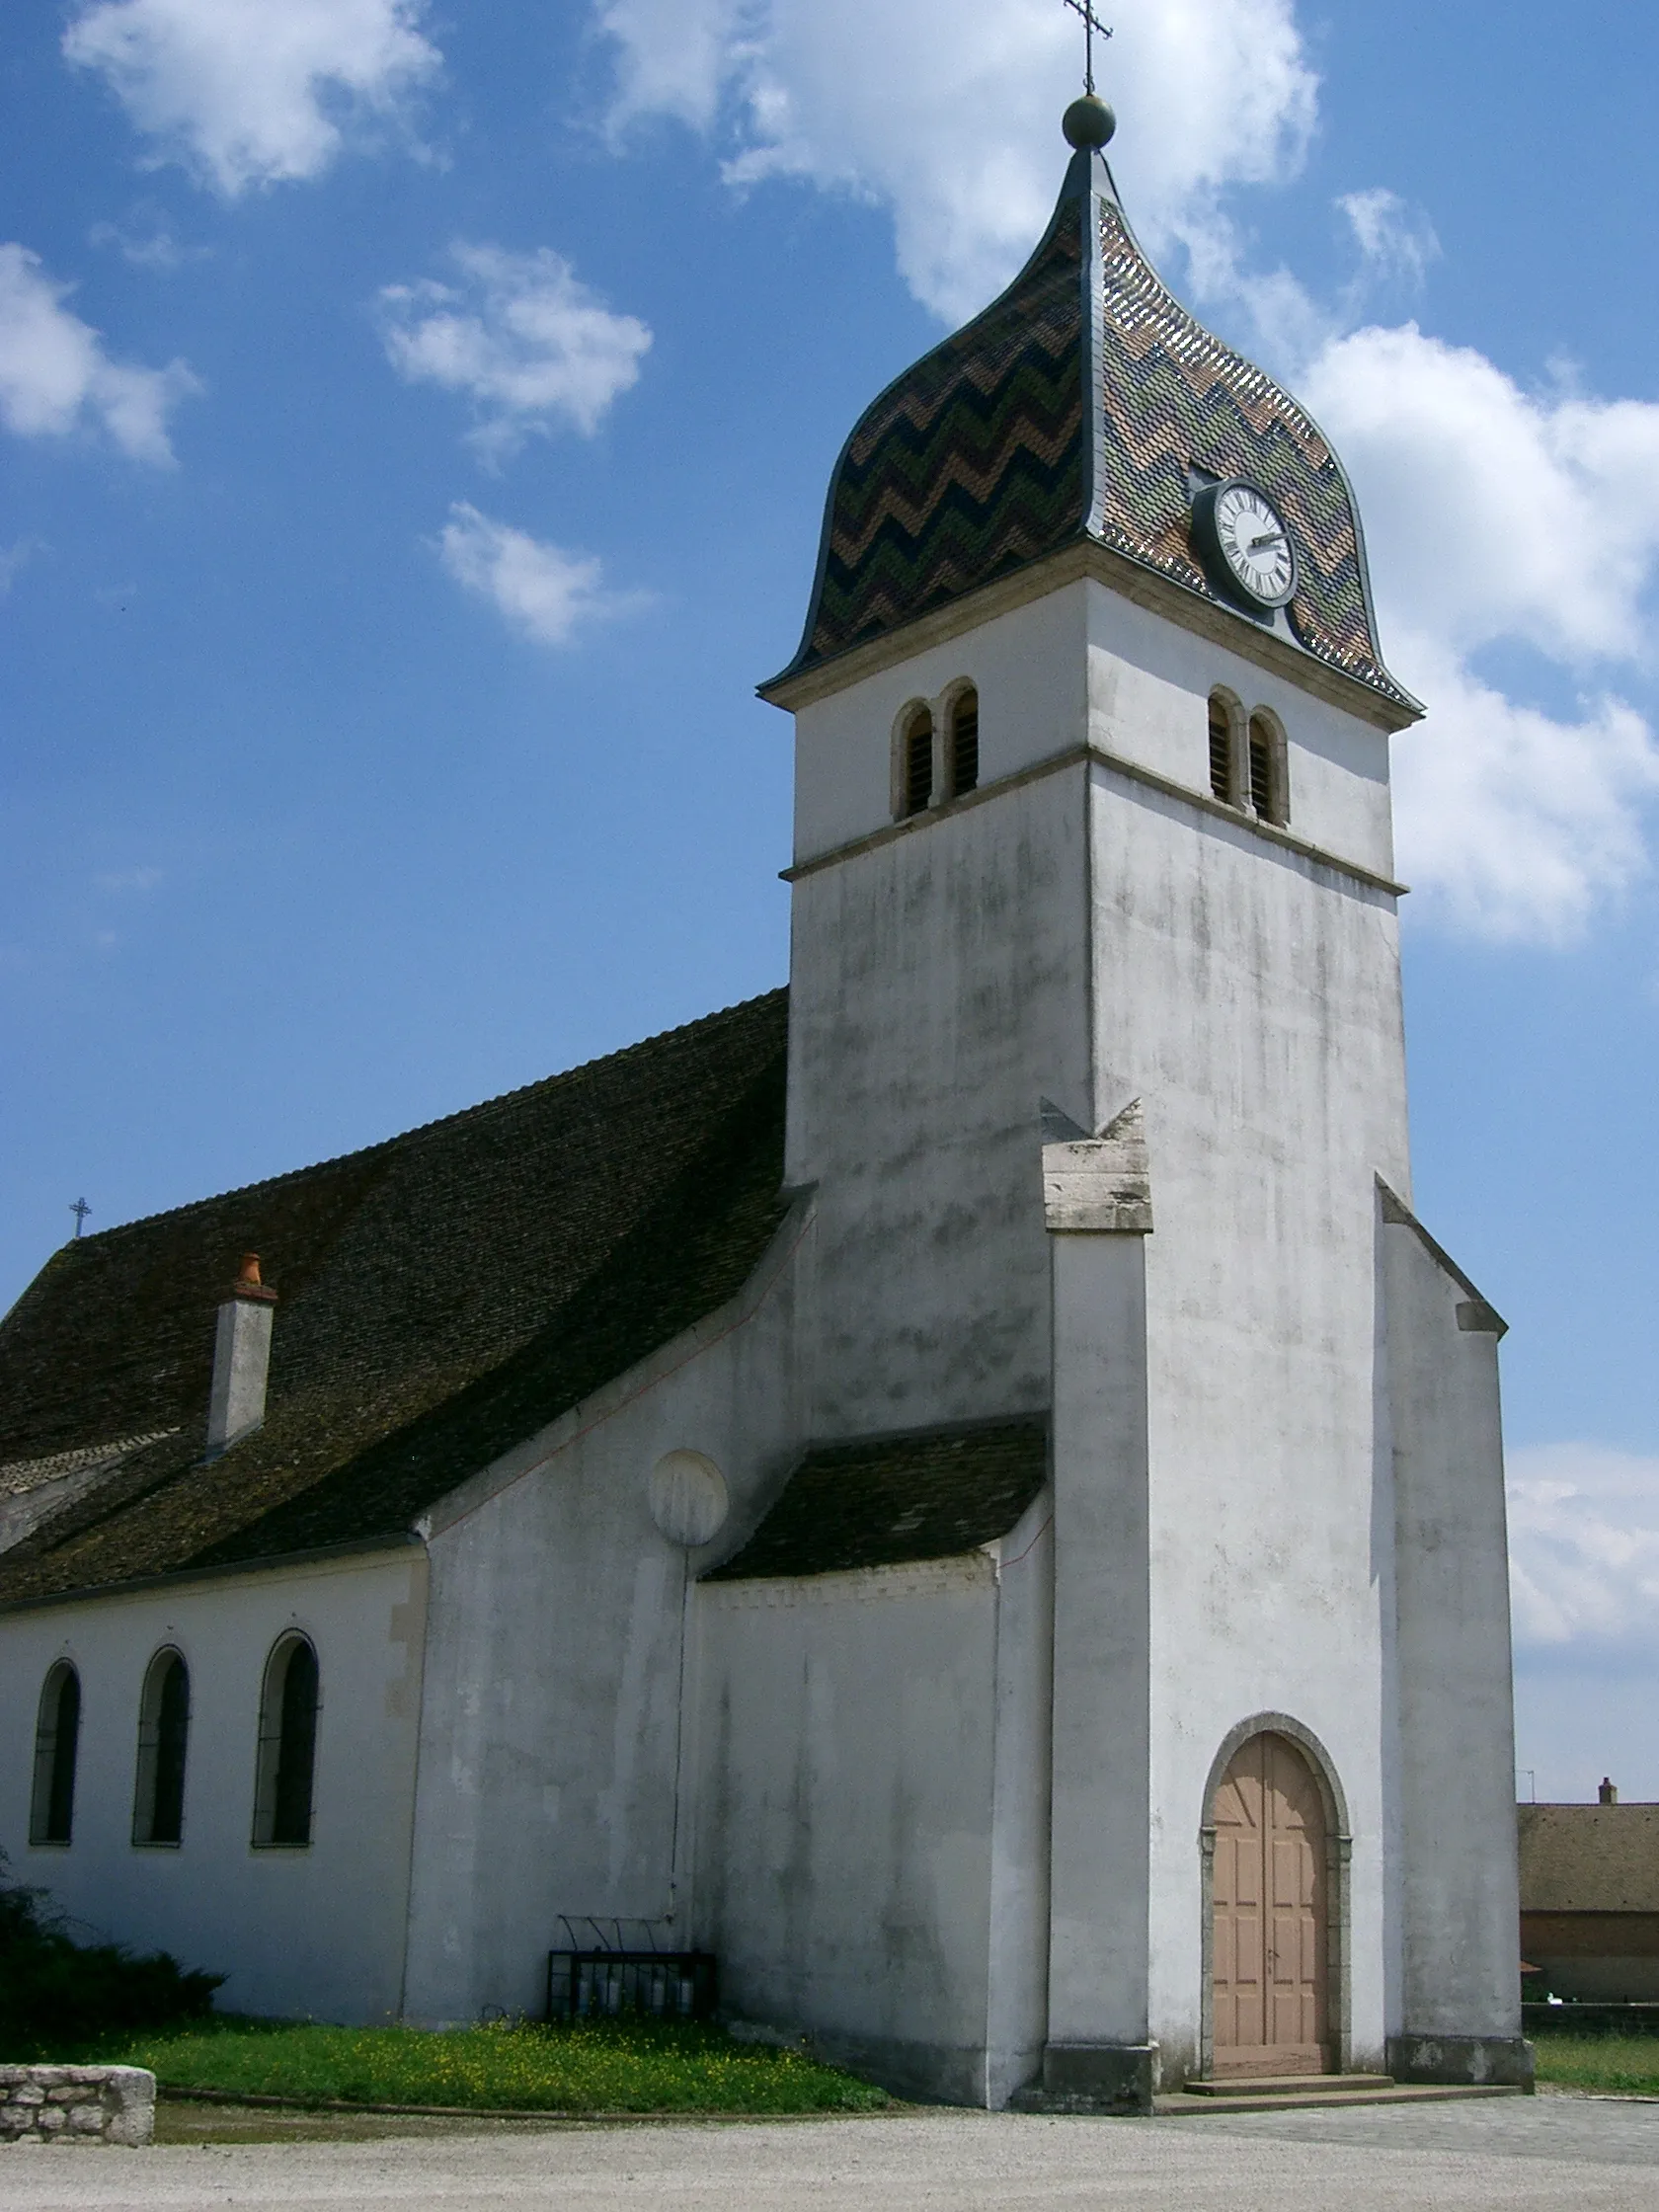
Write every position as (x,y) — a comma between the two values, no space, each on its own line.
(892,1500)
(1074,407)
(442,1297)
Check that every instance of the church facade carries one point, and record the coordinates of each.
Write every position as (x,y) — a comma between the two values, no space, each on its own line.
(961,1488)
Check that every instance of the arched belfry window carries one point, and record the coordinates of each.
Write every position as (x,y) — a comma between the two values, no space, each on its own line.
(917,765)
(1224,748)
(57,1733)
(158,1801)
(287,1745)
(1267,769)
(965,741)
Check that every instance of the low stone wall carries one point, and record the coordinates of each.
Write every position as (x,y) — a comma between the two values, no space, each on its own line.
(76,2104)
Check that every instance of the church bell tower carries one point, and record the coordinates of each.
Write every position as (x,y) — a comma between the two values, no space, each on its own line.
(1096,1068)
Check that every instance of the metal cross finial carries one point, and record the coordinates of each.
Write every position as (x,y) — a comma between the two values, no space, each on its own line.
(1091,24)
(80,1210)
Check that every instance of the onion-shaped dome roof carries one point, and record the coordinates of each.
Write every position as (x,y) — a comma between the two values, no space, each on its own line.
(1084,404)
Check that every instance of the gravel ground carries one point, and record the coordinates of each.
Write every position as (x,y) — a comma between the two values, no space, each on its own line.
(1507,2154)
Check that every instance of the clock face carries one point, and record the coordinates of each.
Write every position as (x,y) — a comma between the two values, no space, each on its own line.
(1252,540)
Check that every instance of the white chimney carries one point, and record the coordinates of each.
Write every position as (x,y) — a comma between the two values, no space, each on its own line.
(241,1360)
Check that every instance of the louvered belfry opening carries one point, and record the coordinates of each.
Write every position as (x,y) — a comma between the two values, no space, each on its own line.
(1262,795)
(1221,748)
(965,743)
(918,764)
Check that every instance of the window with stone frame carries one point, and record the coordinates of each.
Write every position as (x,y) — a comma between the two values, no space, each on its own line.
(964,742)
(917,763)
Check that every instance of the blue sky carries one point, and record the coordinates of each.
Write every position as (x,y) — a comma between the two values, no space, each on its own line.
(414,425)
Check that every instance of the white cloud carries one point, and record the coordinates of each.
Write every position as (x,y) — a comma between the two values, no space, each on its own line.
(1511,824)
(55,376)
(520,336)
(542,591)
(957,127)
(1394,242)
(1499,517)
(255,92)
(1583,1547)
(14,559)
(1494,512)
(145,242)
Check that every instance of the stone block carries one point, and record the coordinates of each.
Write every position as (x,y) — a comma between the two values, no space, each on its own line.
(1099,2077)
(77,2104)
(1461,2058)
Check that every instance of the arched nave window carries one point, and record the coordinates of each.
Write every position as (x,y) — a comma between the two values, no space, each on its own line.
(58,1731)
(287,1745)
(158,1801)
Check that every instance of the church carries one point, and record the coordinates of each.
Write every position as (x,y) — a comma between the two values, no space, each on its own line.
(960,1491)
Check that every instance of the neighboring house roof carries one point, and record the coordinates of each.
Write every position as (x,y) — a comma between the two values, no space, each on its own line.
(887,1501)
(442,1297)
(1074,407)
(1589,1858)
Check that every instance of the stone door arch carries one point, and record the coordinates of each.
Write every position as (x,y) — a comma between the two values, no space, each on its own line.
(1276,1861)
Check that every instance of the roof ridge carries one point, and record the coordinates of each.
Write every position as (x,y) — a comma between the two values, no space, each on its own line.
(363,1153)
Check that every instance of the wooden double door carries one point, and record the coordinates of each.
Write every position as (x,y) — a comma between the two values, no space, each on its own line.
(1271,1952)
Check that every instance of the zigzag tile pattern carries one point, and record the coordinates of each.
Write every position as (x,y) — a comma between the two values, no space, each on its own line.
(971,466)
(975,462)
(1174,396)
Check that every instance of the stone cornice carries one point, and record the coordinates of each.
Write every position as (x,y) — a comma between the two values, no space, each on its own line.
(1081,756)
(1236,633)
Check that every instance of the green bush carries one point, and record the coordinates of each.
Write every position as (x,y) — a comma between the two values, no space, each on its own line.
(57,1995)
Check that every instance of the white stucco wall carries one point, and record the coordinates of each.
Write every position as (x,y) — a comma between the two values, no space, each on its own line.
(319,1929)
(1251,999)
(1087,935)
(938,992)
(554,1778)
(1149,683)
(1460,1894)
(1082,662)
(1030,668)
(872,1830)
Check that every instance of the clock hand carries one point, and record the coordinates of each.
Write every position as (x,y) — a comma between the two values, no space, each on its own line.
(1272,537)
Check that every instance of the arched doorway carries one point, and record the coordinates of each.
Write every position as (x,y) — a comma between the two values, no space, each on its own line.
(1270,1901)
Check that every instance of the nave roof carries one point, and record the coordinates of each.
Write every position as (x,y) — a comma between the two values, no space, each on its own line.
(441,1297)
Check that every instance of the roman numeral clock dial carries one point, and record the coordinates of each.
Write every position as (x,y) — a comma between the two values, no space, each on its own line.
(1246,543)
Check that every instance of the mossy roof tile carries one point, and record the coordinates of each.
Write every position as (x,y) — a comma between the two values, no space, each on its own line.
(888,1501)
(440,1296)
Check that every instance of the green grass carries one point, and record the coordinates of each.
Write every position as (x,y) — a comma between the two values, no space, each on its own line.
(622,2066)
(1624,2065)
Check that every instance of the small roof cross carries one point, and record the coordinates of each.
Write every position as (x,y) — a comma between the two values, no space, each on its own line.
(1091,24)
(80,1210)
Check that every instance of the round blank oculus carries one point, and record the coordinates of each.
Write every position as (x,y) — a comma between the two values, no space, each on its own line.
(688,1500)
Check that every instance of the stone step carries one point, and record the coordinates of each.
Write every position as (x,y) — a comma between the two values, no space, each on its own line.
(1286,2085)
(1186,2107)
